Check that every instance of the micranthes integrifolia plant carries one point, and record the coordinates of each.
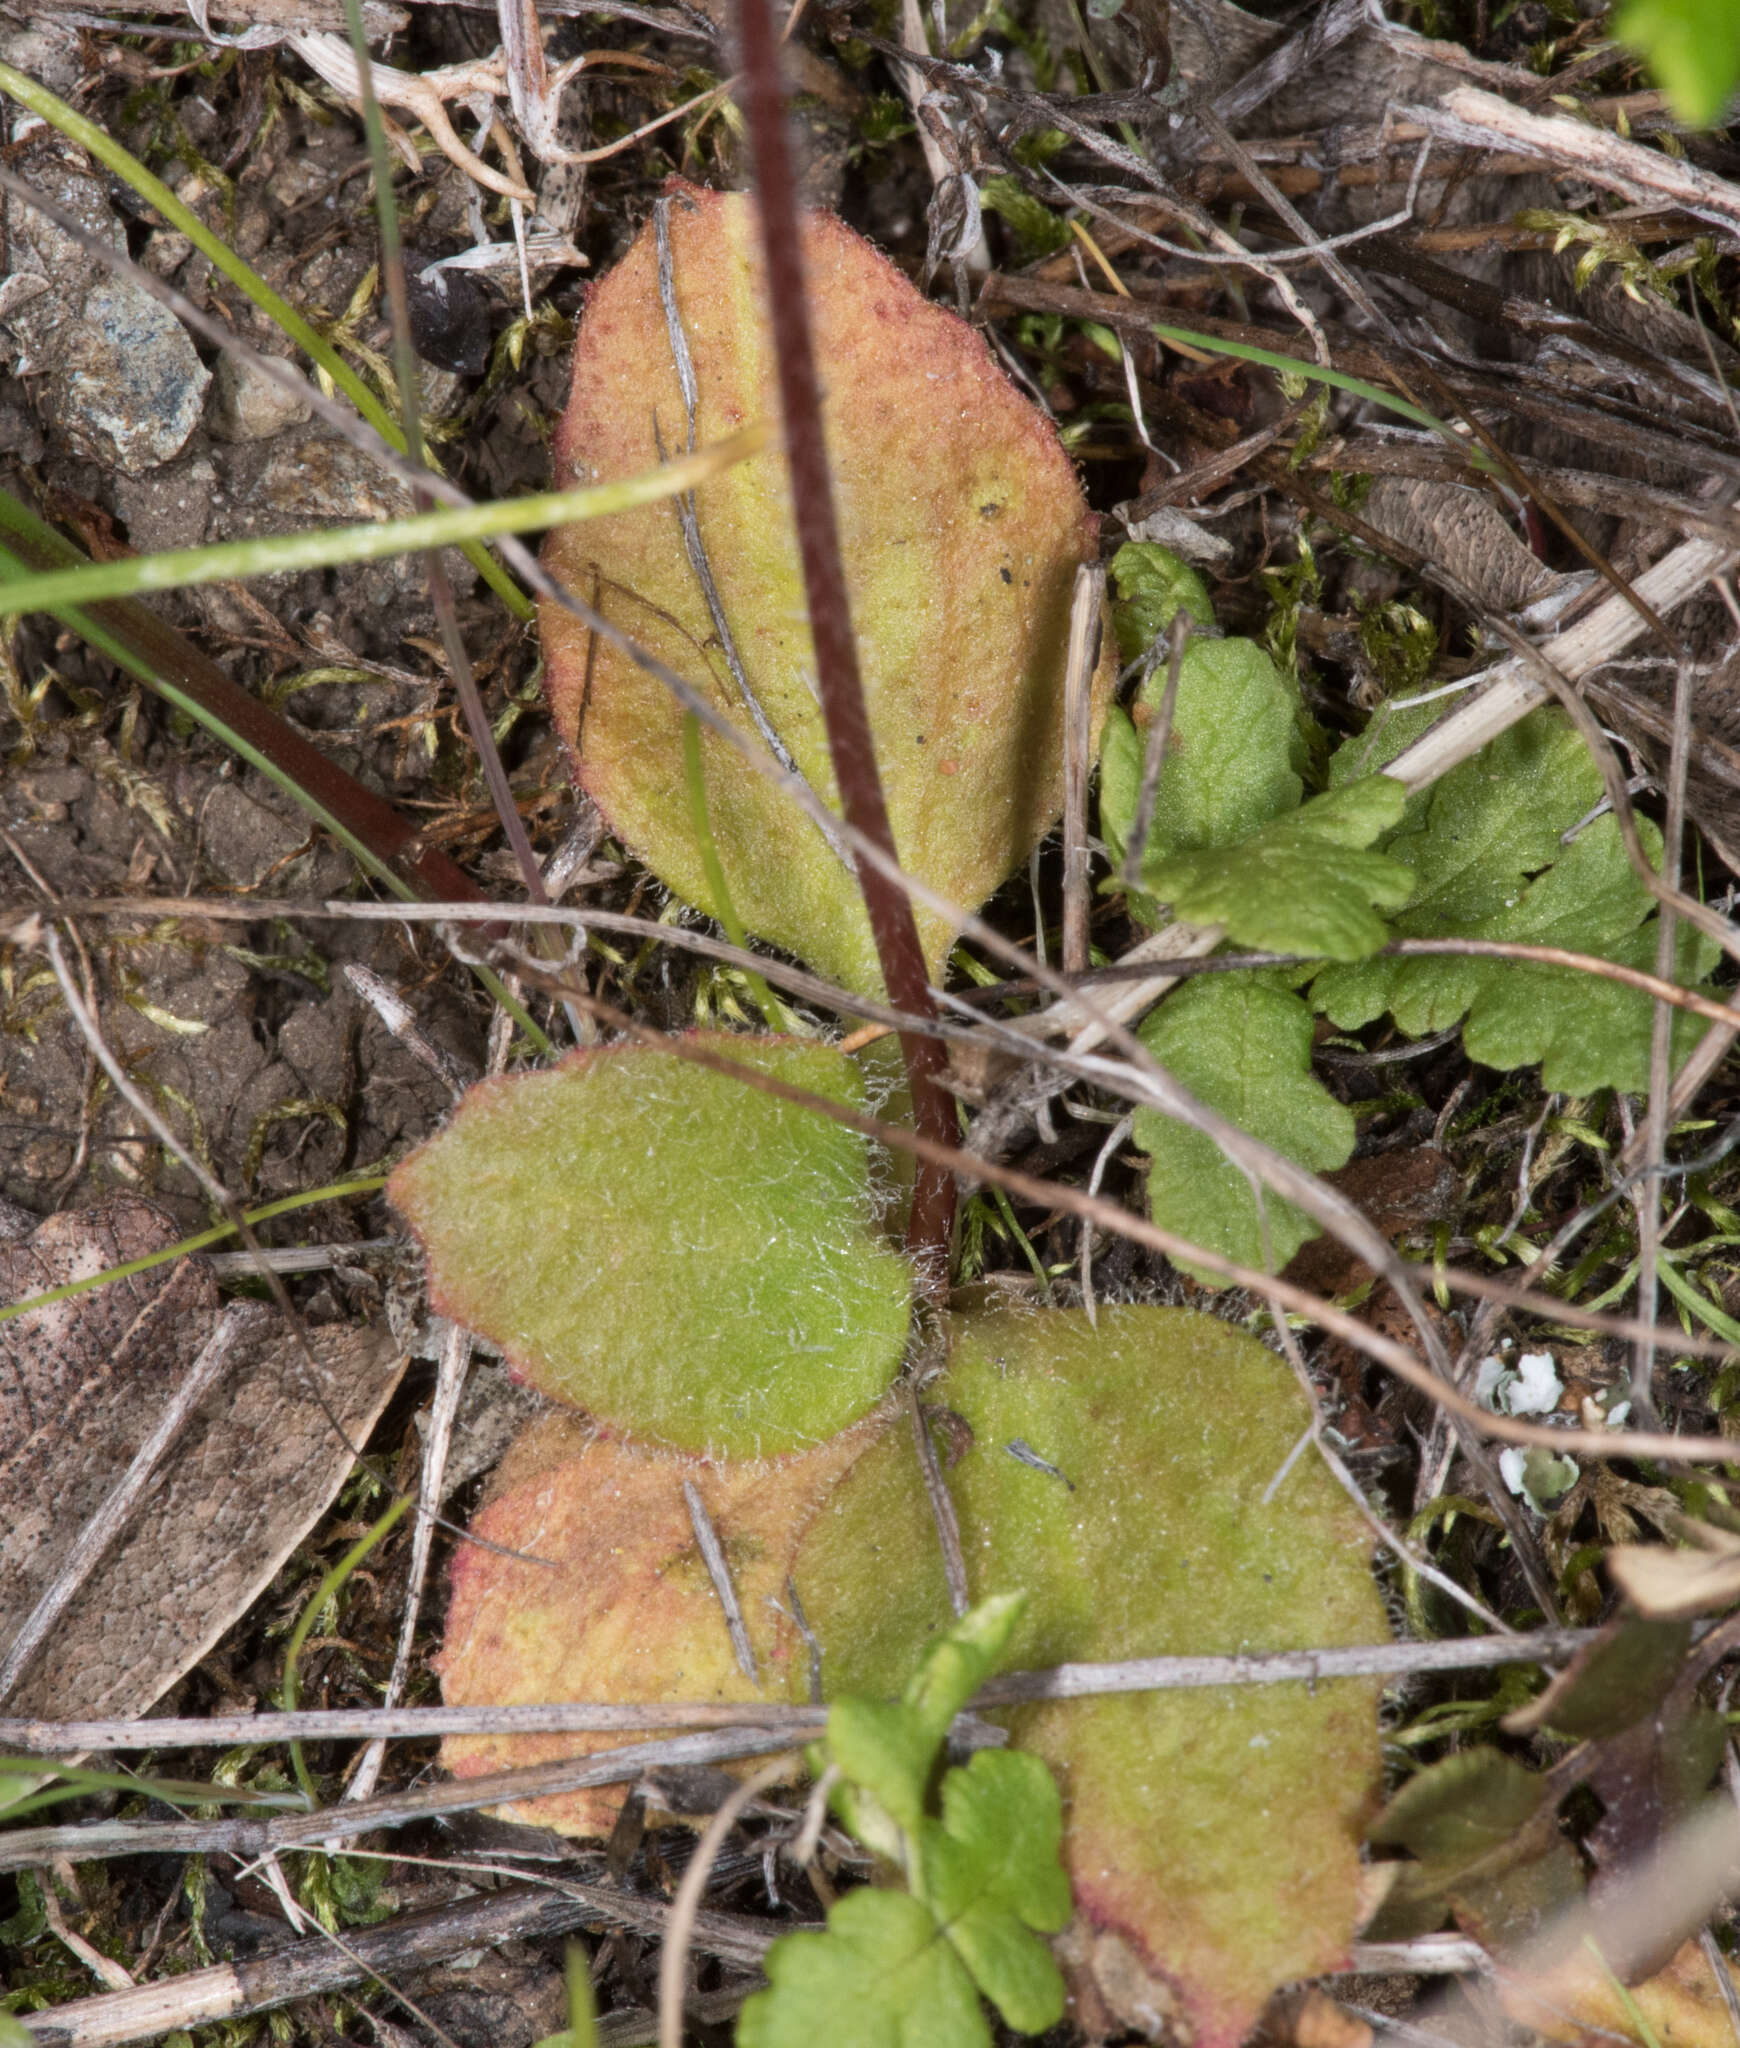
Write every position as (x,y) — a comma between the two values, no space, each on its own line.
(705,1267)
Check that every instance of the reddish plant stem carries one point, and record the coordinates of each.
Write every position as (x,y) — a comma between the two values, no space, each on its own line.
(388,834)
(839,685)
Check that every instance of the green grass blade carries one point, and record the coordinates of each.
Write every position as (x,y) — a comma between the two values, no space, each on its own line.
(299,1635)
(110,154)
(335,1191)
(79,1783)
(115,639)
(1297,366)
(332,546)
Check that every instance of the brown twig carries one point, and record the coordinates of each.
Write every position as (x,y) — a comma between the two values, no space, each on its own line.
(412,1941)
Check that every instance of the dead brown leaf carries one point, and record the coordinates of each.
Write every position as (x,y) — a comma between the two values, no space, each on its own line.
(81,1384)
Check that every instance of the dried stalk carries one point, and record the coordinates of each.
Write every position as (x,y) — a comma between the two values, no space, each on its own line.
(411,1942)
(1062,1681)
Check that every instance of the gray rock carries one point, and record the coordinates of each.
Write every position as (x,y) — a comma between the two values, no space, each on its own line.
(107,366)
(316,479)
(166,250)
(309,478)
(47,51)
(247,405)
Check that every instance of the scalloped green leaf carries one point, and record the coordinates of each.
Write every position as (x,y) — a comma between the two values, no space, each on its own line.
(989,1870)
(961,526)
(882,1976)
(1242,1046)
(1233,762)
(1476,836)
(890,1750)
(690,1259)
(1305,883)
(1583,1032)
(1153,586)
(1214,1833)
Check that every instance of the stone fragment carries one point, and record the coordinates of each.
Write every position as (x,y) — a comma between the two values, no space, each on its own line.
(248,405)
(108,367)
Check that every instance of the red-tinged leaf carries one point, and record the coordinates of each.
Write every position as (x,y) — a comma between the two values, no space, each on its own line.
(1215,1834)
(610,1598)
(961,525)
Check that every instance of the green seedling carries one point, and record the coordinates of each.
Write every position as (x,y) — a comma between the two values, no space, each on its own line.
(983,1875)
(1499,850)
(1504,847)
(1244,1047)
(1303,883)
(1153,585)
(1213,1835)
(701,1266)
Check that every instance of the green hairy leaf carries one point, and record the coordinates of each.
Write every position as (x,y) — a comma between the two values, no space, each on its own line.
(1243,1046)
(693,1261)
(1233,759)
(1305,883)
(1213,1835)
(1153,585)
(961,527)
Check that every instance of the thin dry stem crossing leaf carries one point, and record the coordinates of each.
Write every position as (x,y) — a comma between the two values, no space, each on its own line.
(449,1386)
(1062,1681)
(1431,1379)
